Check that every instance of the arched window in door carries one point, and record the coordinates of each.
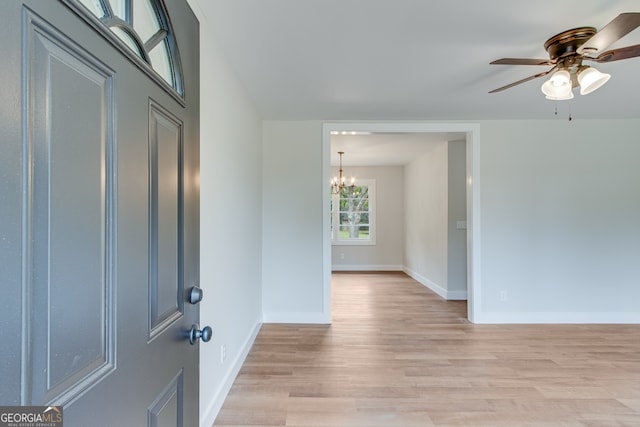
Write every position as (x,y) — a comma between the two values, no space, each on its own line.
(141,27)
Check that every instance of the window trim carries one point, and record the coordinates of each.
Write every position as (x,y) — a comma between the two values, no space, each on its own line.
(177,92)
(335,218)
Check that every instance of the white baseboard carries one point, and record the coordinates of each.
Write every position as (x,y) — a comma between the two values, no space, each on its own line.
(456,295)
(559,317)
(359,267)
(214,407)
(321,318)
(444,293)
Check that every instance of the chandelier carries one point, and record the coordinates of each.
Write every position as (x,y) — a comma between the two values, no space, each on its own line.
(338,183)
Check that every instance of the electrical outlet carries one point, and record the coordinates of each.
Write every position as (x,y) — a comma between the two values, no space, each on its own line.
(223,353)
(503,295)
(342,255)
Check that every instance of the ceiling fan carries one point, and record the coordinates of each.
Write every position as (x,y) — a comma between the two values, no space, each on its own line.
(569,49)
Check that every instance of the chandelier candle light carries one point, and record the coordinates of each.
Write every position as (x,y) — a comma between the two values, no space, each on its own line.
(338,183)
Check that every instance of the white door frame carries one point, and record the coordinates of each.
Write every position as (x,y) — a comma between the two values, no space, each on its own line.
(472,131)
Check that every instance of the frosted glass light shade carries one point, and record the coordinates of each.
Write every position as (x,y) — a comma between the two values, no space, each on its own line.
(560,78)
(557,93)
(564,97)
(591,79)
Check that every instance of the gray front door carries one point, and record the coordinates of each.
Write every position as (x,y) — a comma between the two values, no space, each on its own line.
(99,213)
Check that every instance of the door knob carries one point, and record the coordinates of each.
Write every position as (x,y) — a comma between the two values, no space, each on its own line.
(196,333)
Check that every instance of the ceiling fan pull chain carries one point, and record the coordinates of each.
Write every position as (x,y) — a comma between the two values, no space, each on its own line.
(570,118)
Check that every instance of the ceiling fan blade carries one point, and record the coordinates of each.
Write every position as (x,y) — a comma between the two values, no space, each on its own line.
(535,76)
(612,32)
(521,61)
(617,54)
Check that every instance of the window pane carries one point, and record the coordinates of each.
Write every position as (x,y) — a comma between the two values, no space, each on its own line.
(94,6)
(354,232)
(352,221)
(143,27)
(119,9)
(145,20)
(160,62)
(125,37)
(354,214)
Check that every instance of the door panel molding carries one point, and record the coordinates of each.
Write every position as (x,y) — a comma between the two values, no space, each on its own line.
(68,236)
(166,236)
(167,408)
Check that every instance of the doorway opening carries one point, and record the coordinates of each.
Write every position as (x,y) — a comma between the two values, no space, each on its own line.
(470,133)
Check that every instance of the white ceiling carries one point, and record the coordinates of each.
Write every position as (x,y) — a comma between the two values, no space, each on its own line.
(411,59)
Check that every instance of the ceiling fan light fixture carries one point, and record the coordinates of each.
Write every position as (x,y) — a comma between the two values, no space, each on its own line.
(569,48)
(591,79)
(557,92)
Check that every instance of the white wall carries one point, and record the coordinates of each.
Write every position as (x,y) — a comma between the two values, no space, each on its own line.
(560,228)
(292,223)
(230,222)
(426,217)
(388,252)
(559,208)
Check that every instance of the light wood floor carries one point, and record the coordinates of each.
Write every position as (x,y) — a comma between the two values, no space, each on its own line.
(398,355)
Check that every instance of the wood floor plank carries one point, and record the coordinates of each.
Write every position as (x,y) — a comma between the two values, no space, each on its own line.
(399,355)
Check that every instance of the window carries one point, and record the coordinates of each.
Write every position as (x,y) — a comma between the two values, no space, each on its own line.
(353,215)
(142,28)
